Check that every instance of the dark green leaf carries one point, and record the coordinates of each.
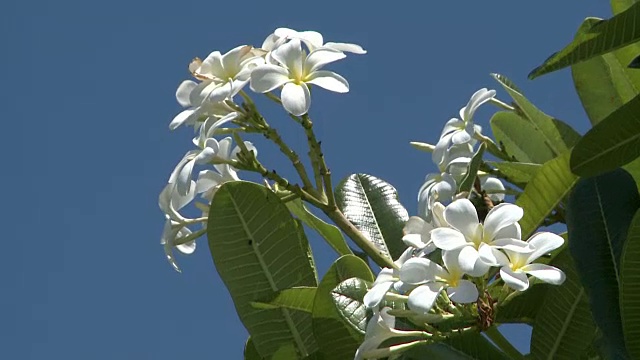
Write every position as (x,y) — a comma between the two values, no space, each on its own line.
(472,173)
(250,352)
(613,142)
(601,38)
(467,346)
(544,192)
(519,138)
(630,288)
(372,206)
(297,298)
(330,233)
(565,328)
(347,298)
(524,307)
(618,6)
(516,172)
(337,339)
(598,215)
(259,250)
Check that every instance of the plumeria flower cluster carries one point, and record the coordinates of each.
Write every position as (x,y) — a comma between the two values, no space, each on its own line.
(468,248)
(452,155)
(288,60)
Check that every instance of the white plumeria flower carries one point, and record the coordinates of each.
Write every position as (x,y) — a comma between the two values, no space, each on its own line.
(461,131)
(170,201)
(516,265)
(494,188)
(456,161)
(171,232)
(433,278)
(190,95)
(437,187)
(417,235)
(380,328)
(296,71)
(386,279)
(314,40)
(468,235)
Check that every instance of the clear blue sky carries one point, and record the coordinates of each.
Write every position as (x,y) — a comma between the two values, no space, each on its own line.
(87,93)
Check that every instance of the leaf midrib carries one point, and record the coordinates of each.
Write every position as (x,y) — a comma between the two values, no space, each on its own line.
(565,325)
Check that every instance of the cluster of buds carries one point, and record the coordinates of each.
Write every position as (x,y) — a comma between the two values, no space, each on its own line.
(288,60)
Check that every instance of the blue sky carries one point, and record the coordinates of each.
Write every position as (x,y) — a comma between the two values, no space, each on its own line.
(88,92)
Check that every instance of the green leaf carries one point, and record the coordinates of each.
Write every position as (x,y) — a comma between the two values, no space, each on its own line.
(337,339)
(544,192)
(613,142)
(604,83)
(516,172)
(519,138)
(603,37)
(259,250)
(472,173)
(467,346)
(329,232)
(618,6)
(524,307)
(558,136)
(630,288)
(250,351)
(297,298)
(598,215)
(372,206)
(565,328)
(347,298)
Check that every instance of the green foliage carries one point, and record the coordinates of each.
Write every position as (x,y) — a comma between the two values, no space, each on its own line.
(259,250)
(565,329)
(544,192)
(330,233)
(523,307)
(601,38)
(337,339)
(372,205)
(516,172)
(630,288)
(296,298)
(347,298)
(467,346)
(519,138)
(599,212)
(613,142)
(250,351)
(472,173)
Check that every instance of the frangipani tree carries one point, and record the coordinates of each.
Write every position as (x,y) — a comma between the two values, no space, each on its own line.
(476,253)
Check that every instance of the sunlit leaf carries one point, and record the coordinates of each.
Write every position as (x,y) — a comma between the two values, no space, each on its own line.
(329,232)
(519,138)
(347,298)
(297,298)
(516,172)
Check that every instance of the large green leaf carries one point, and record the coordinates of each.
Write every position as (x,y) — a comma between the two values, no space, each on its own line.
(565,329)
(544,192)
(613,142)
(372,206)
(523,307)
(519,138)
(467,182)
(347,298)
(330,233)
(630,288)
(619,6)
(336,339)
(516,172)
(558,136)
(259,250)
(603,37)
(297,298)
(250,351)
(598,215)
(467,346)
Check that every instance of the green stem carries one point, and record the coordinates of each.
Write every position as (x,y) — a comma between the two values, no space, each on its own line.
(190,237)
(314,152)
(273,135)
(496,336)
(492,148)
(501,104)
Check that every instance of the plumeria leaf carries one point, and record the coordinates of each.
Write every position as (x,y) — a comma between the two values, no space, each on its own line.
(523,307)
(599,212)
(372,205)
(348,299)
(602,37)
(330,233)
(613,142)
(630,288)
(565,328)
(337,339)
(516,172)
(257,259)
(250,351)
(544,192)
(297,298)
(519,138)
(472,173)
(466,346)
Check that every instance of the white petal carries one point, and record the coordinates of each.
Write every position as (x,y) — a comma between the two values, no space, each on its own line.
(462,215)
(321,57)
(188,116)
(494,186)
(512,231)
(220,92)
(207,180)
(183,182)
(418,271)
(346,47)
(184,92)
(329,80)
(440,150)
(232,59)
(313,38)
(416,225)
(267,77)
(492,256)
(187,248)
(445,188)
(546,273)
(466,292)
(385,275)
(296,99)
(544,243)
(414,240)
(478,98)
(460,137)
(376,294)
(289,54)
(513,245)
(467,259)
(438,215)
(500,216)
(422,298)
(212,66)
(448,239)
(451,126)
(514,279)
